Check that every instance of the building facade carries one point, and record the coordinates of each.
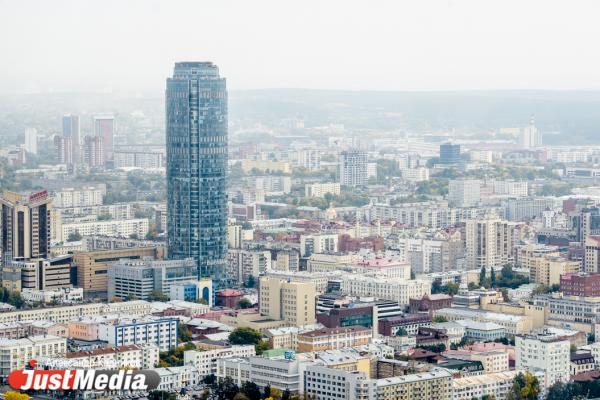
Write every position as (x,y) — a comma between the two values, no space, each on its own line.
(196,129)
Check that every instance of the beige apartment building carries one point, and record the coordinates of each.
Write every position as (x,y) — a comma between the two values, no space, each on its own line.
(292,302)
(546,270)
(92,266)
(489,243)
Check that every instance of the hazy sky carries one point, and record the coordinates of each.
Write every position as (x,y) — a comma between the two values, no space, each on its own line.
(83,45)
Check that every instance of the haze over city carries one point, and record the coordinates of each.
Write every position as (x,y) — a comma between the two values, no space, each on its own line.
(65,46)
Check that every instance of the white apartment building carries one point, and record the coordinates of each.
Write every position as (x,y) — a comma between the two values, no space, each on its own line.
(280,373)
(138,357)
(245,263)
(309,159)
(511,188)
(16,353)
(545,352)
(273,185)
(464,192)
(321,189)
(69,313)
(161,332)
(399,290)
(117,228)
(79,197)
(173,379)
(138,159)
(205,361)
(321,244)
(494,384)
(31,138)
(415,174)
(432,255)
(58,295)
(353,169)
(489,243)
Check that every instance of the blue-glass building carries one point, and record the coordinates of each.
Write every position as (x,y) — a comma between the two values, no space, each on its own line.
(196,129)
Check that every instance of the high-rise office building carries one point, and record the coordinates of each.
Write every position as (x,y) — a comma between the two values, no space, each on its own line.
(71,133)
(25,222)
(63,146)
(104,127)
(353,168)
(93,151)
(31,137)
(449,153)
(196,129)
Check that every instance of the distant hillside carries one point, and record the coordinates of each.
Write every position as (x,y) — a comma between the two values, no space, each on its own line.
(575,114)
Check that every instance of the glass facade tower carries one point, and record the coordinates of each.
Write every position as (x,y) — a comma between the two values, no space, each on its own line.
(196,130)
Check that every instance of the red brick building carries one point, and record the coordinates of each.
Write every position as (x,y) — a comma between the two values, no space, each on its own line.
(228,298)
(580,284)
(429,303)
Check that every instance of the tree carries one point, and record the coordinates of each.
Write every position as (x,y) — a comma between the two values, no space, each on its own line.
(210,379)
(157,295)
(482,279)
(251,282)
(244,336)
(15,396)
(245,303)
(267,391)
(74,237)
(492,277)
(251,390)
(439,319)
(401,332)
(225,389)
(261,347)
(286,395)
(525,387)
(14,299)
(183,333)
(161,395)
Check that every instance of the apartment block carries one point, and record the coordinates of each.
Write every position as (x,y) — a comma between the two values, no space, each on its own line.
(334,338)
(292,302)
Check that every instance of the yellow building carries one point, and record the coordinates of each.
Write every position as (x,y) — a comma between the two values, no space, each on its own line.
(334,338)
(291,302)
(546,270)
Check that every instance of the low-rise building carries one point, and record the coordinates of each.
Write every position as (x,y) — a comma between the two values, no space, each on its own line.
(16,353)
(333,338)
(205,361)
(161,332)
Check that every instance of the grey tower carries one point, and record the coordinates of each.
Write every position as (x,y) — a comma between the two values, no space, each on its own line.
(196,128)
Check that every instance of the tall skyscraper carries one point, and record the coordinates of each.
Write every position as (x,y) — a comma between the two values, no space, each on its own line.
(530,135)
(104,127)
(196,129)
(353,168)
(25,222)
(71,130)
(489,243)
(31,137)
